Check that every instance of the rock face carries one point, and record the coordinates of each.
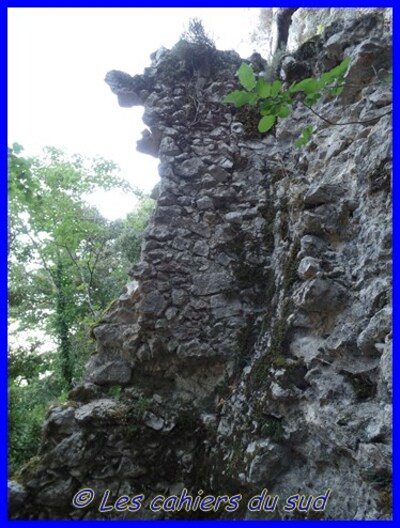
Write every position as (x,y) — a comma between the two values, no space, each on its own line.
(254,350)
(305,24)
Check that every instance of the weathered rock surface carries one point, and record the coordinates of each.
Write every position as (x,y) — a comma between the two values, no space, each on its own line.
(255,350)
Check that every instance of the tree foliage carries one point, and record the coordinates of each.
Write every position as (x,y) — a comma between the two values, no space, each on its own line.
(196,34)
(66,264)
(133,227)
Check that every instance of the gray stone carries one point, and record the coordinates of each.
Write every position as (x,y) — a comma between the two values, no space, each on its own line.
(208,283)
(142,270)
(179,297)
(312,246)
(17,495)
(169,147)
(201,248)
(234,217)
(321,193)
(84,393)
(153,303)
(321,295)
(221,307)
(72,451)
(218,173)
(190,168)
(382,97)
(112,373)
(194,349)
(103,410)
(306,347)
(58,494)
(153,422)
(370,57)
(308,268)
(223,259)
(181,243)
(267,461)
(217,133)
(205,203)
(386,367)
(378,327)
(61,420)
(170,313)
(373,460)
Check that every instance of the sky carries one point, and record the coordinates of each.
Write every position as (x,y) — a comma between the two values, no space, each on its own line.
(57,61)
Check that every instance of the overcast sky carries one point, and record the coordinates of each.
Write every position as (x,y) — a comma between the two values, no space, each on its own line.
(58,58)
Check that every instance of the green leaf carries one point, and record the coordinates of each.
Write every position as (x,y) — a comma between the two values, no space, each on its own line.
(340,69)
(336,91)
(246,77)
(240,98)
(263,88)
(286,98)
(300,141)
(276,88)
(308,86)
(337,72)
(312,98)
(266,107)
(283,111)
(305,136)
(253,98)
(233,97)
(326,79)
(266,123)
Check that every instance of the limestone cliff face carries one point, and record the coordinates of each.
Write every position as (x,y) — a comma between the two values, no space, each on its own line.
(304,24)
(254,350)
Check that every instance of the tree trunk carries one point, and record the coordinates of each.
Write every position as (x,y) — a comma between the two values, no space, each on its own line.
(62,327)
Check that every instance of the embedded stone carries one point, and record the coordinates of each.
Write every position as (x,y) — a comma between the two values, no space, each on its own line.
(152,303)
(190,168)
(320,194)
(308,268)
(218,173)
(205,203)
(378,327)
(84,392)
(179,297)
(101,410)
(112,373)
(201,248)
(222,307)
(169,147)
(208,283)
(153,422)
(321,295)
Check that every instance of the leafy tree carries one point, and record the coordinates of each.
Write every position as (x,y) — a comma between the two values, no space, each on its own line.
(29,393)
(66,264)
(132,229)
(57,243)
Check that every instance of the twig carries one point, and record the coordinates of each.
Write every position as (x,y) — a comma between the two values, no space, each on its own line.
(349,122)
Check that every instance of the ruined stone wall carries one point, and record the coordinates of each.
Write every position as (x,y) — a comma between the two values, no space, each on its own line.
(254,350)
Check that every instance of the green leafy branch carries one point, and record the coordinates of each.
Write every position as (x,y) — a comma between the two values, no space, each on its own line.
(273,101)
